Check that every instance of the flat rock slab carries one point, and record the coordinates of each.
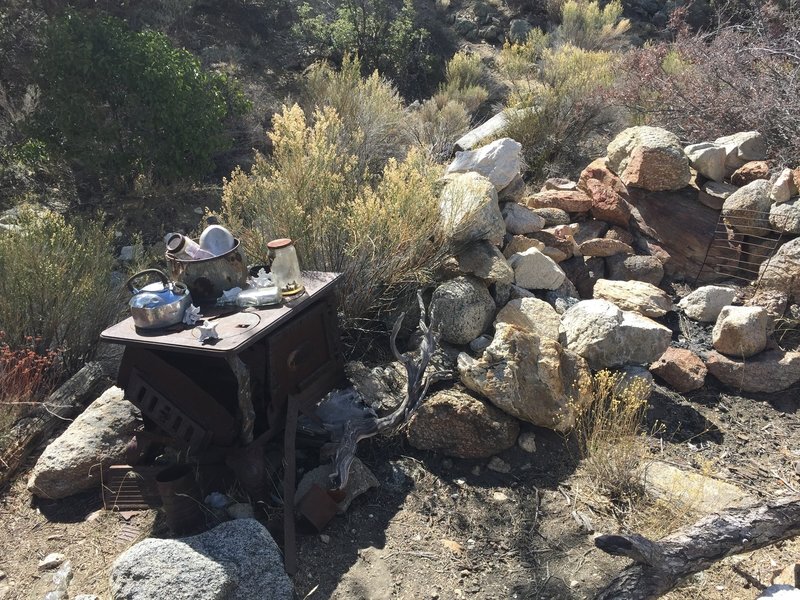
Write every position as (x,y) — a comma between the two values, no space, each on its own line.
(692,491)
(237,560)
(769,372)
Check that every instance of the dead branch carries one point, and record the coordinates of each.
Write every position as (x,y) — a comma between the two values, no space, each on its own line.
(660,566)
(416,390)
(44,419)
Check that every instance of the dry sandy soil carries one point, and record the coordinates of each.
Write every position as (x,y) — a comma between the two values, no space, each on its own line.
(445,528)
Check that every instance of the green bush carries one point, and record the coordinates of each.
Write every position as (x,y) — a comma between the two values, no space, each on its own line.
(384,37)
(57,285)
(383,237)
(121,102)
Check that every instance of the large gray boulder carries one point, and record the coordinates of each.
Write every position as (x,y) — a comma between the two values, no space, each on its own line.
(237,560)
(500,161)
(643,298)
(740,331)
(705,303)
(781,274)
(456,424)
(650,158)
(746,211)
(469,209)
(609,337)
(99,436)
(530,377)
(464,308)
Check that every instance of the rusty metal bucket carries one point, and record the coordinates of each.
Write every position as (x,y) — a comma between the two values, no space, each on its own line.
(209,277)
(180,497)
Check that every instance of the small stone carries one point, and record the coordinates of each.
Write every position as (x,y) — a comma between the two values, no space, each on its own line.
(51,561)
(520,243)
(499,497)
(535,271)
(553,216)
(682,369)
(199,210)
(750,172)
(498,465)
(325,539)
(479,344)
(527,441)
(740,331)
(241,511)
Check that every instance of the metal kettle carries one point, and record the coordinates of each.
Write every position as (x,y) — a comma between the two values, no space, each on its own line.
(158,305)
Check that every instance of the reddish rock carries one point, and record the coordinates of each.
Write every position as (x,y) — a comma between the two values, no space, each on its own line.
(750,172)
(656,169)
(770,371)
(598,170)
(608,205)
(569,201)
(681,369)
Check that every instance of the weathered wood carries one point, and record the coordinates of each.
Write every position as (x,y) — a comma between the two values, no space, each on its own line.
(416,390)
(46,417)
(660,566)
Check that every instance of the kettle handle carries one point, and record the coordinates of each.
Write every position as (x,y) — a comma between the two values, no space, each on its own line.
(161,275)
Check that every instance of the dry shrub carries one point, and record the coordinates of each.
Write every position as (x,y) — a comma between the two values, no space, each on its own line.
(382,236)
(26,376)
(56,285)
(585,25)
(562,91)
(609,435)
(442,119)
(703,86)
(370,110)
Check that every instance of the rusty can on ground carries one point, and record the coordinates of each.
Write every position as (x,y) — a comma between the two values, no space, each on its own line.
(209,277)
(180,498)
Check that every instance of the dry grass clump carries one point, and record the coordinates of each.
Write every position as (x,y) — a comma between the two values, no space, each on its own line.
(26,376)
(609,435)
(382,234)
(56,285)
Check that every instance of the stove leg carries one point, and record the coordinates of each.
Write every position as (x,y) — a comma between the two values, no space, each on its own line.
(247,413)
(289,542)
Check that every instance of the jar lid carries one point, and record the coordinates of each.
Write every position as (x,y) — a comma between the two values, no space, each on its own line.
(281,243)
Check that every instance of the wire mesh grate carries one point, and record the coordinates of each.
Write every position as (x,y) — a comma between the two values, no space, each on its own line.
(744,241)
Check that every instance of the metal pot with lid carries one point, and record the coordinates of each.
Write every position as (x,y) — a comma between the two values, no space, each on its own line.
(158,305)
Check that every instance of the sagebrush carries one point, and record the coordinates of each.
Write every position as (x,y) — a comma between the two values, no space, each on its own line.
(384,236)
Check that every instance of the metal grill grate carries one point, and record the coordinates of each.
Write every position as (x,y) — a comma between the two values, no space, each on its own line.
(741,256)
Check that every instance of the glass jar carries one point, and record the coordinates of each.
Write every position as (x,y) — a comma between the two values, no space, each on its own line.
(285,268)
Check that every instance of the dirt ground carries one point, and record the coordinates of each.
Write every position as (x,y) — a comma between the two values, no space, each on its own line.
(449,529)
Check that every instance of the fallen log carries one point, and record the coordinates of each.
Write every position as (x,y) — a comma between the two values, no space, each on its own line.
(40,423)
(660,566)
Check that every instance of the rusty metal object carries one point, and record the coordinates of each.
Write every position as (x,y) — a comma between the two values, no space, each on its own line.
(209,277)
(180,498)
(164,413)
(317,507)
(130,488)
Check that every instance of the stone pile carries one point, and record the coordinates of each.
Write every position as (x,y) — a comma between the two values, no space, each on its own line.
(552,285)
